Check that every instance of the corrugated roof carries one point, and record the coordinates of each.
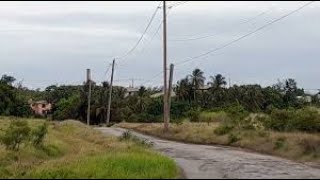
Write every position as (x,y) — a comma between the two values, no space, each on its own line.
(130,89)
(159,94)
(41,102)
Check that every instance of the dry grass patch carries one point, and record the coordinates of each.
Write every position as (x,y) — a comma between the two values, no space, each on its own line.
(296,145)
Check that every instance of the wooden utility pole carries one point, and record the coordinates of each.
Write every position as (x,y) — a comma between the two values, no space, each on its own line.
(110,94)
(165,90)
(170,90)
(89,95)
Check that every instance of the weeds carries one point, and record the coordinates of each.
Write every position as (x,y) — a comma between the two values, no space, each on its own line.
(280,143)
(17,133)
(223,129)
(128,136)
(38,135)
(233,138)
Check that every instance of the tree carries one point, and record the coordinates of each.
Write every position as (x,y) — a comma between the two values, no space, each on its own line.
(141,98)
(197,80)
(217,81)
(184,90)
(8,79)
(67,108)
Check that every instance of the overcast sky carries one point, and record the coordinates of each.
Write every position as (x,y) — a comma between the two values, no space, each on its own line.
(44,43)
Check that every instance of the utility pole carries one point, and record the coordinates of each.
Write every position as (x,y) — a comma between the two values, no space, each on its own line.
(110,94)
(170,89)
(165,93)
(132,82)
(89,95)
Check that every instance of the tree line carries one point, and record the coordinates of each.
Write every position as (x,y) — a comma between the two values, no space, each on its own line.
(193,95)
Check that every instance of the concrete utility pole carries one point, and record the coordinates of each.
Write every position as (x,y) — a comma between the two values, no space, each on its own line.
(170,90)
(89,95)
(132,82)
(165,90)
(110,95)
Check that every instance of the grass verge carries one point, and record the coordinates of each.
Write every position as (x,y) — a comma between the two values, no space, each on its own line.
(73,150)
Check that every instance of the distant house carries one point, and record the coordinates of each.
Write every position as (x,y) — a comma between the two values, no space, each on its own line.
(307,99)
(130,91)
(40,108)
(204,88)
(159,94)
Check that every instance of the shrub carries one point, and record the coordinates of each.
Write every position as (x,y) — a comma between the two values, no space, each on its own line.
(280,120)
(310,146)
(128,136)
(194,115)
(38,135)
(233,138)
(16,134)
(178,121)
(290,120)
(209,117)
(237,112)
(237,115)
(307,120)
(223,129)
(279,143)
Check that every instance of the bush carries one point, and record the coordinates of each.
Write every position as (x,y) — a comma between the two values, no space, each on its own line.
(223,129)
(178,109)
(306,119)
(38,135)
(280,120)
(16,134)
(178,121)
(194,115)
(279,143)
(128,136)
(233,138)
(209,117)
(310,146)
(237,112)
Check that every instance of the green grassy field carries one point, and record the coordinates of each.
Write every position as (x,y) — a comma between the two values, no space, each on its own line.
(73,150)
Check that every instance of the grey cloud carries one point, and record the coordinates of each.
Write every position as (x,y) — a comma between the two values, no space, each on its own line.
(288,48)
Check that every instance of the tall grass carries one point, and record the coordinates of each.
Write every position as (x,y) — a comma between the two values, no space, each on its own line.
(73,150)
(131,164)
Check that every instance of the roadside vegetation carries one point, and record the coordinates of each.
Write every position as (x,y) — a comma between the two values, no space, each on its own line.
(292,134)
(31,148)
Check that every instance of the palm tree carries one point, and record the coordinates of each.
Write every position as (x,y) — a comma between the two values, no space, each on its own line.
(217,81)
(197,80)
(141,98)
(216,84)
(184,89)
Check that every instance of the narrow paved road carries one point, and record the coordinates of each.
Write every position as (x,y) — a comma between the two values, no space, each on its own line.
(205,162)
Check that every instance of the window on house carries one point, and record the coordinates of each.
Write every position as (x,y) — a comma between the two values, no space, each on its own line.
(43,105)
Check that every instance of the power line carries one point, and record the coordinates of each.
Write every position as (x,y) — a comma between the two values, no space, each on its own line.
(143,34)
(152,78)
(244,36)
(154,35)
(214,35)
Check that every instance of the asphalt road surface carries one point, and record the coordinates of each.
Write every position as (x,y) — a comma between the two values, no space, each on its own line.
(205,162)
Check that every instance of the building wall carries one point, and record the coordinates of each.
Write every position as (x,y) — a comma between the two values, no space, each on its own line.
(41,109)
